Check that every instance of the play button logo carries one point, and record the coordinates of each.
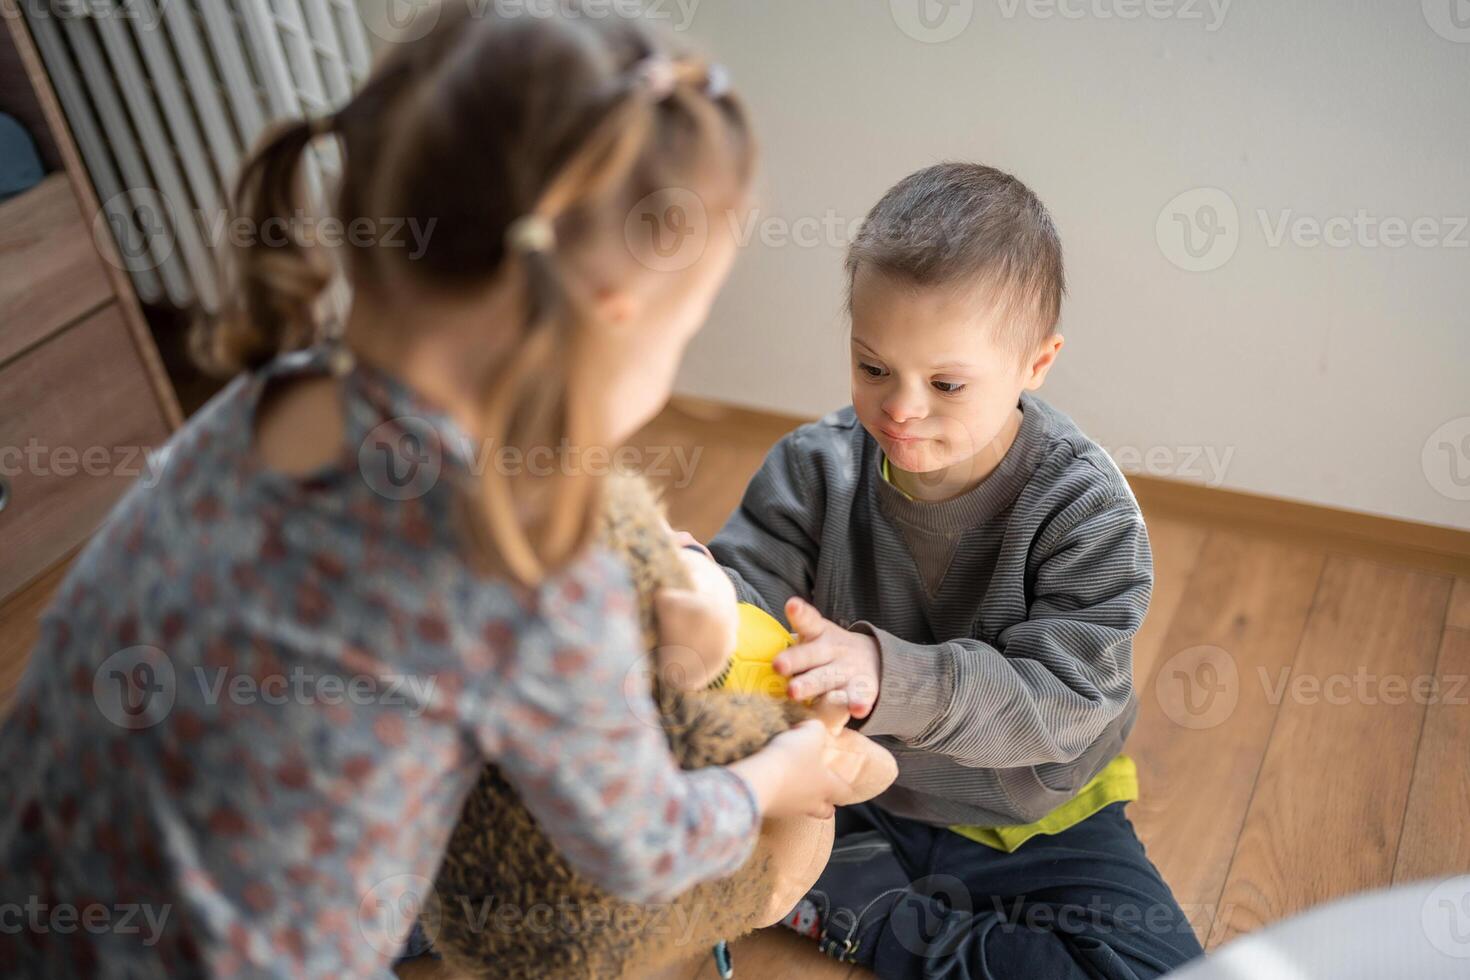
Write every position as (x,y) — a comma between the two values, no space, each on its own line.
(1450,19)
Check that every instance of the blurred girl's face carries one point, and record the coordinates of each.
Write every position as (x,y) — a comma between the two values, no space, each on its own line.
(642,331)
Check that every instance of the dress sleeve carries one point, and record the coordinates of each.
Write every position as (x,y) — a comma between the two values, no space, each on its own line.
(575,730)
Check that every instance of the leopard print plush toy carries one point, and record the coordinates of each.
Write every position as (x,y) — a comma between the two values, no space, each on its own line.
(497,856)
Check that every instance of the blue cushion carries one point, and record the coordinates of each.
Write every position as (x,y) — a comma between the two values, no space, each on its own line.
(20,166)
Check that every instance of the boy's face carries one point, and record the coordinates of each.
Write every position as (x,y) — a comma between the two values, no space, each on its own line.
(930,383)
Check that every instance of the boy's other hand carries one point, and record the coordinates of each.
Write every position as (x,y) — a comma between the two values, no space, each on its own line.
(826,658)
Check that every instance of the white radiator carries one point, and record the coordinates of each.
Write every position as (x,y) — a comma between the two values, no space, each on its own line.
(164,98)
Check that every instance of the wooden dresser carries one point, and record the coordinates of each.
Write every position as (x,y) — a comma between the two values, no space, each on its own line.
(83,393)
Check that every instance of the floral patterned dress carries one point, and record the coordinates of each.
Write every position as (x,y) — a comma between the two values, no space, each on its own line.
(258,702)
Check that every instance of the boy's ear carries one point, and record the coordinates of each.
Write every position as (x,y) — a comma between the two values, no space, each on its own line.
(1041,362)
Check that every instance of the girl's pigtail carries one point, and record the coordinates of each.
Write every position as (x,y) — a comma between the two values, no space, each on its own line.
(273,280)
(530,404)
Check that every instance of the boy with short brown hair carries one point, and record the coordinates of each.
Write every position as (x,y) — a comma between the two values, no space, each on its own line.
(967,569)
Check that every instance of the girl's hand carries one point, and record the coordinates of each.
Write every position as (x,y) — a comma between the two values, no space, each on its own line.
(790,776)
(829,658)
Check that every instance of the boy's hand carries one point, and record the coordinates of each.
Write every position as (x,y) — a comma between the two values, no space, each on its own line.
(829,658)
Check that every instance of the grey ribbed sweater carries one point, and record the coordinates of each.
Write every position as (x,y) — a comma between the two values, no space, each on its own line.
(1004,617)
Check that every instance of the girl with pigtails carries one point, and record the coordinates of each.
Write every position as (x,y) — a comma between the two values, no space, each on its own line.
(267,683)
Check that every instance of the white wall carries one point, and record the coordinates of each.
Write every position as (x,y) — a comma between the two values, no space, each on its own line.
(1310,372)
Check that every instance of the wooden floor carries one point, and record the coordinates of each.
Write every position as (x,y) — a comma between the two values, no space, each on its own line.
(1305,724)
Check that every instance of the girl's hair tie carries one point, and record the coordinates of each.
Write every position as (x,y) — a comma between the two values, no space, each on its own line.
(531,233)
(657,76)
(717,81)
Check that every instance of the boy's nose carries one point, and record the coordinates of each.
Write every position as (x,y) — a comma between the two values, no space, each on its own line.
(901,409)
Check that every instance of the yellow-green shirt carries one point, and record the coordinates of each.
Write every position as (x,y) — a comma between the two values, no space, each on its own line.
(1118,782)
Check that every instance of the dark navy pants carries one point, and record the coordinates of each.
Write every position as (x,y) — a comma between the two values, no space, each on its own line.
(1085,903)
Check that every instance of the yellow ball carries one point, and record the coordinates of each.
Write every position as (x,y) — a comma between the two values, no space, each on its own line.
(759,639)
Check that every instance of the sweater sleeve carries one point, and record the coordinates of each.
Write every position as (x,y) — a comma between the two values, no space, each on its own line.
(578,735)
(769,545)
(1051,683)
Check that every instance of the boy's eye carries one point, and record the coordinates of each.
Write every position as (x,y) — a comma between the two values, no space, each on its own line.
(948,387)
(871,370)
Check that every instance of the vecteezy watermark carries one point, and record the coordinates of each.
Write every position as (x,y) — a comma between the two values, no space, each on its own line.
(409,20)
(680,13)
(668,230)
(297,685)
(390,908)
(1210,13)
(1450,19)
(1199,687)
(137,687)
(1446,458)
(95,918)
(676,924)
(135,230)
(403,458)
(331,232)
(937,21)
(827,230)
(932,899)
(1207,464)
(1102,915)
(144,14)
(1199,229)
(38,459)
(1363,686)
(932,21)
(1363,229)
(140,228)
(1445,916)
